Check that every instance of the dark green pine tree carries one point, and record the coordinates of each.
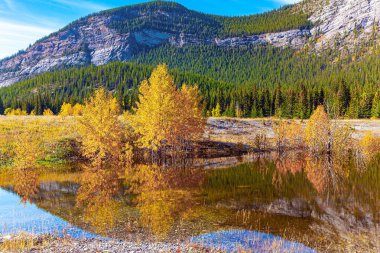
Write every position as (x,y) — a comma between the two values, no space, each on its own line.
(353,109)
(376,105)
(255,97)
(230,111)
(278,102)
(2,109)
(343,97)
(302,105)
(38,107)
(365,105)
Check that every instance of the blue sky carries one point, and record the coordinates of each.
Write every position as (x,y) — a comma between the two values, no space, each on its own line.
(22,22)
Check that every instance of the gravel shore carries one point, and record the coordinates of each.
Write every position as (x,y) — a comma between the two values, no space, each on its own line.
(111,246)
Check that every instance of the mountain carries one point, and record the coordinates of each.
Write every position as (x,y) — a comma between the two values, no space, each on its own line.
(285,62)
(118,34)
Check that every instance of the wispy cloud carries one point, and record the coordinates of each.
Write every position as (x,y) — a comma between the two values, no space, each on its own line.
(287,1)
(10,4)
(20,25)
(85,5)
(14,36)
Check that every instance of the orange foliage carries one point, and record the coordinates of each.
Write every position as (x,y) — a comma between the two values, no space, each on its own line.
(318,131)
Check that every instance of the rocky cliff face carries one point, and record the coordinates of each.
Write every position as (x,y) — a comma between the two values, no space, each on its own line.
(344,22)
(93,40)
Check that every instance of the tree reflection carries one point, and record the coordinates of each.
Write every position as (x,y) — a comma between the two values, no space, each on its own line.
(317,173)
(161,196)
(26,184)
(28,148)
(103,216)
(290,163)
(97,193)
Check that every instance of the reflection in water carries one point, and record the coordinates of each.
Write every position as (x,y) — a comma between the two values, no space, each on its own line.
(29,218)
(100,184)
(162,195)
(157,211)
(102,217)
(26,184)
(249,241)
(317,173)
(314,201)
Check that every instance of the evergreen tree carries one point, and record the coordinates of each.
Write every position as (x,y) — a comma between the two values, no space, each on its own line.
(376,105)
(1,107)
(302,106)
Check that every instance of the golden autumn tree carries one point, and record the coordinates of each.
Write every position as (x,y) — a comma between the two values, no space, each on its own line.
(341,140)
(318,131)
(100,128)
(325,136)
(370,145)
(78,110)
(156,110)
(33,113)
(28,148)
(217,111)
(102,143)
(189,123)
(66,110)
(15,112)
(48,112)
(165,115)
(287,134)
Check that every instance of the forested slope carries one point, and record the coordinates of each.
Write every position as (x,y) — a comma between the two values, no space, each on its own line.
(256,81)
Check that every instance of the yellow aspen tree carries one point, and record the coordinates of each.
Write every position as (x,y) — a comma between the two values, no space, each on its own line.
(100,128)
(165,115)
(280,134)
(102,143)
(27,150)
(156,110)
(15,112)
(77,110)
(48,112)
(342,139)
(33,113)
(318,131)
(190,123)
(294,135)
(66,110)
(287,134)
(370,145)
(217,111)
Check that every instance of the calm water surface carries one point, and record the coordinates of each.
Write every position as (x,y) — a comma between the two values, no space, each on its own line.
(315,202)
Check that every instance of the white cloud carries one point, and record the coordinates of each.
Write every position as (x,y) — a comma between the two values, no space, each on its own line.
(14,36)
(288,1)
(85,5)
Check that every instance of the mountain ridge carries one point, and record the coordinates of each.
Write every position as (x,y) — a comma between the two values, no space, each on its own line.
(118,34)
(121,33)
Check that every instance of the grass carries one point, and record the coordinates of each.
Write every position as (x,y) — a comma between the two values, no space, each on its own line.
(57,134)
(23,242)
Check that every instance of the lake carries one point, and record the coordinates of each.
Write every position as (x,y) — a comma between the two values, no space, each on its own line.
(292,202)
